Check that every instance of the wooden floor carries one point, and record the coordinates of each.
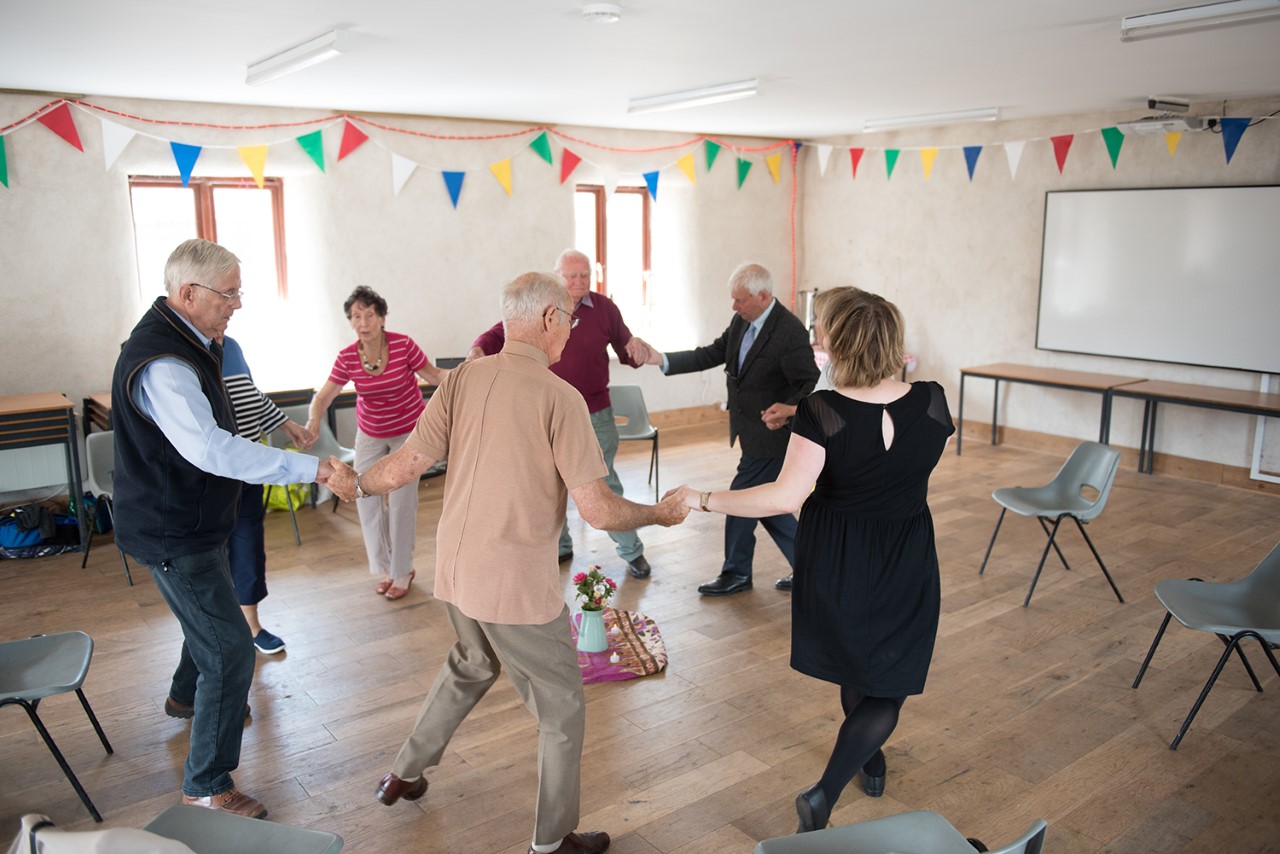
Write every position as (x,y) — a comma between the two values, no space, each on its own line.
(1028,713)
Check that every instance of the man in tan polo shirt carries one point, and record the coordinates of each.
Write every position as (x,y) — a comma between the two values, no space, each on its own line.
(517,438)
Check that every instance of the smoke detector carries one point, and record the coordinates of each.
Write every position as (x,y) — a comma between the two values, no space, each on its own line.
(602,13)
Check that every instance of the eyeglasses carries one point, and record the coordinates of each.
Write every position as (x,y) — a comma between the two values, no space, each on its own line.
(573,321)
(229,296)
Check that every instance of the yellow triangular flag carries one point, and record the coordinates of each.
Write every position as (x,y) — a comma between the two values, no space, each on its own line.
(255,157)
(502,171)
(1171,139)
(686,166)
(774,162)
(927,156)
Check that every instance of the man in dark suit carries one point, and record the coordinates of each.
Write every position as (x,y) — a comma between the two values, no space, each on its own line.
(768,363)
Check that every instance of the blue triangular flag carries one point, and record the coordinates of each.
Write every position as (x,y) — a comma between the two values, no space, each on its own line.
(1232,130)
(651,179)
(795,145)
(187,155)
(971,153)
(453,180)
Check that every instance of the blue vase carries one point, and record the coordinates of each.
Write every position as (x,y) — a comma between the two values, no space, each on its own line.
(591,634)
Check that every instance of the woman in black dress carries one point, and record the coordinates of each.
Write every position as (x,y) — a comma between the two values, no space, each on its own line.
(865,596)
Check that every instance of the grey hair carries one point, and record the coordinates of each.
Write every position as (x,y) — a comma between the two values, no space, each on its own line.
(753,277)
(530,294)
(196,261)
(570,255)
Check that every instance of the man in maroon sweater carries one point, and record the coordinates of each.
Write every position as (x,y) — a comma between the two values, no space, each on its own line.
(598,325)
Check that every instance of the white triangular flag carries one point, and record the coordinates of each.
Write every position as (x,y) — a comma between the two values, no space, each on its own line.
(824,151)
(610,184)
(1013,150)
(114,138)
(401,169)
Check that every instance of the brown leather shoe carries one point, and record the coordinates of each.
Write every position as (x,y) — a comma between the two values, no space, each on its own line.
(582,843)
(232,800)
(392,788)
(174,709)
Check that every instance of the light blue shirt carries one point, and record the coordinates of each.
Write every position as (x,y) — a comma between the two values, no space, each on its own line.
(169,393)
(758,323)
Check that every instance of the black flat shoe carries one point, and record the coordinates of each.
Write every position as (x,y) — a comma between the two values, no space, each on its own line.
(724,584)
(813,809)
(873,786)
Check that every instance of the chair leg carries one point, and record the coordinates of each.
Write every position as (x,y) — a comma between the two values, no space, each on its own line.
(1044,527)
(987,556)
(62,762)
(88,544)
(1098,558)
(1043,557)
(1232,643)
(124,561)
(1151,652)
(93,719)
(293,517)
(1248,667)
(653,467)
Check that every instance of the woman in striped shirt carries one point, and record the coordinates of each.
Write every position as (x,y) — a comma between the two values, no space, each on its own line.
(385,367)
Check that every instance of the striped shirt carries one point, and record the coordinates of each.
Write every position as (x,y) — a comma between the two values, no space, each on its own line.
(389,404)
(255,413)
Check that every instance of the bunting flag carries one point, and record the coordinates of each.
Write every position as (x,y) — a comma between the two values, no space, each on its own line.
(1013,151)
(114,139)
(1114,138)
(453,181)
(1232,130)
(891,160)
(568,162)
(795,146)
(4,164)
(927,156)
(971,153)
(313,144)
(542,146)
(185,156)
(60,122)
(774,162)
(824,153)
(713,151)
(651,181)
(352,138)
(1061,145)
(686,166)
(610,184)
(502,171)
(744,166)
(855,155)
(1171,140)
(401,170)
(255,157)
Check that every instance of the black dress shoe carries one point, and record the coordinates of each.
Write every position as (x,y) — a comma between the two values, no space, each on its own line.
(582,843)
(639,568)
(392,789)
(813,809)
(873,786)
(783,583)
(724,584)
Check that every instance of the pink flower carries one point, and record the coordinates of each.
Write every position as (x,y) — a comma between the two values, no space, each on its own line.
(579,578)
(612,584)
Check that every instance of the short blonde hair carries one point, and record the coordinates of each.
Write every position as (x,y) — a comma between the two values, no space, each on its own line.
(864,333)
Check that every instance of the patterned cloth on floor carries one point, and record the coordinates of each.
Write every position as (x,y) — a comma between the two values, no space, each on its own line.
(633,638)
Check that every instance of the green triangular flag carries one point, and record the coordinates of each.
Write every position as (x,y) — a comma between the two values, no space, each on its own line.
(890,159)
(542,145)
(1114,138)
(313,145)
(4,165)
(744,166)
(713,150)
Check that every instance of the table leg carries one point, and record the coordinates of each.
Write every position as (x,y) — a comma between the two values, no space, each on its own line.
(1142,438)
(74,484)
(995,410)
(1151,439)
(1104,428)
(960,426)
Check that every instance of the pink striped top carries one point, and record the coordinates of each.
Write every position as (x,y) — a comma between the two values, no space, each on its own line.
(389,404)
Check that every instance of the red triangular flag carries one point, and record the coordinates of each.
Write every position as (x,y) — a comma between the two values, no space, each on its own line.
(1061,145)
(568,162)
(855,155)
(352,138)
(59,121)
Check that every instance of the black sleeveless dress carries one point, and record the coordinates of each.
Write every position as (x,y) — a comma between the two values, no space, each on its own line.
(865,596)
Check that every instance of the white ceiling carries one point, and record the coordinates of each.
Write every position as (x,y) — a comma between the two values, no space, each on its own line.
(824,65)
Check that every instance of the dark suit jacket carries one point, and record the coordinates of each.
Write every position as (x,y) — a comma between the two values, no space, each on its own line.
(779,368)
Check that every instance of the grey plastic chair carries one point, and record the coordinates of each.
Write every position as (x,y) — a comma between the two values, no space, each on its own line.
(1248,608)
(208,831)
(326,445)
(628,403)
(1090,466)
(100,457)
(34,668)
(920,832)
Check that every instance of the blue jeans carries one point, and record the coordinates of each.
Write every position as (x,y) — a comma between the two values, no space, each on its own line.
(740,533)
(215,668)
(627,543)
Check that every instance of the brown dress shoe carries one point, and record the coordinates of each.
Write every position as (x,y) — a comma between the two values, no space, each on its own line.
(232,800)
(392,789)
(581,843)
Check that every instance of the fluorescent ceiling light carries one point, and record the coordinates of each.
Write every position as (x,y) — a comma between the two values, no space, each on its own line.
(1195,18)
(986,114)
(695,97)
(298,57)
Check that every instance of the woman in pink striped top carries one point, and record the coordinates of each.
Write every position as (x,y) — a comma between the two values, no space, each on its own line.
(384,366)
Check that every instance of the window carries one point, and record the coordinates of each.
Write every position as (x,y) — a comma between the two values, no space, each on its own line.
(614,232)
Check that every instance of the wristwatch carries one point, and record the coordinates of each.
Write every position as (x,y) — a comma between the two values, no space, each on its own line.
(360,493)
(702,503)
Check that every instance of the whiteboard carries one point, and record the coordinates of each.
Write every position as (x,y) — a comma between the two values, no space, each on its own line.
(1186,275)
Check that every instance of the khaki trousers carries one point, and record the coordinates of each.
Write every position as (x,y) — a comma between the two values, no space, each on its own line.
(389,521)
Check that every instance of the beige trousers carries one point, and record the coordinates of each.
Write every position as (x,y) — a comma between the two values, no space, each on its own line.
(387,521)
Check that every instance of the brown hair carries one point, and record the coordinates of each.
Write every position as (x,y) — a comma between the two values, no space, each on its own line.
(365,295)
(864,333)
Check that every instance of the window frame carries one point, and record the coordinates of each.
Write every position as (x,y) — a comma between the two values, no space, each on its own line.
(602,232)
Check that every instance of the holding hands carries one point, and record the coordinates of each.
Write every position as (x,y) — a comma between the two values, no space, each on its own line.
(298,435)
(776,416)
(672,509)
(342,480)
(641,351)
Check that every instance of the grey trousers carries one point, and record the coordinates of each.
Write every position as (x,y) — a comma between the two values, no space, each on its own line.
(388,521)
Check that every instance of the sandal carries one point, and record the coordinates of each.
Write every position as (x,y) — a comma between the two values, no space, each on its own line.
(394,593)
(383,586)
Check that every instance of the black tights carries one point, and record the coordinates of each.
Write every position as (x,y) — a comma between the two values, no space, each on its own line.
(868,723)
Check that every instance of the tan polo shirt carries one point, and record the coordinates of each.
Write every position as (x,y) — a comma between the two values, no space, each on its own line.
(517,438)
